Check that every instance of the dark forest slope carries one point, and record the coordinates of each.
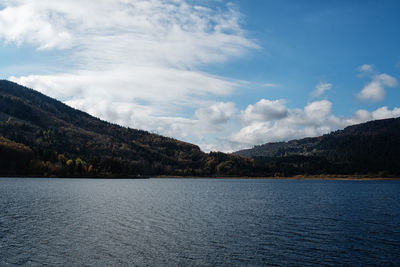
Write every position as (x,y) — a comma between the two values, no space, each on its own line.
(368,148)
(42,136)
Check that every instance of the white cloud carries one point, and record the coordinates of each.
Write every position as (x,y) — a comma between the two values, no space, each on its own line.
(374,90)
(385,113)
(219,113)
(366,68)
(264,110)
(362,115)
(292,123)
(27,24)
(141,116)
(387,80)
(321,88)
(315,119)
(162,88)
(270,85)
(134,62)
(132,32)
(318,110)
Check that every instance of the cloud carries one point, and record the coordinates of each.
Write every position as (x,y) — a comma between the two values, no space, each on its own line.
(315,119)
(136,63)
(318,110)
(169,32)
(385,113)
(161,88)
(289,124)
(270,85)
(27,24)
(263,110)
(219,113)
(321,88)
(387,80)
(375,90)
(366,68)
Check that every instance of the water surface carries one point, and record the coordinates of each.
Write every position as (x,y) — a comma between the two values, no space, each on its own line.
(203,222)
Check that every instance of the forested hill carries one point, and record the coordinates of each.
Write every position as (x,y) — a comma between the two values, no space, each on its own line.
(40,136)
(368,148)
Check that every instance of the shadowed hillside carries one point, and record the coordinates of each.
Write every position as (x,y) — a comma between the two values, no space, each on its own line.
(42,136)
(369,148)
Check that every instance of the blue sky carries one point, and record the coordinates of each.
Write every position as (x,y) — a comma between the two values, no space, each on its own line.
(305,42)
(224,75)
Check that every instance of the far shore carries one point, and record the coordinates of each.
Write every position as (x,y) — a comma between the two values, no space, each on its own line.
(340,178)
(298,177)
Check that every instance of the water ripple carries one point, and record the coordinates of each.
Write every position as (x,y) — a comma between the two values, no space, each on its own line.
(205,222)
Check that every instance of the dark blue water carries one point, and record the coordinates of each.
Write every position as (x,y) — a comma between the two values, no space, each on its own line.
(201,222)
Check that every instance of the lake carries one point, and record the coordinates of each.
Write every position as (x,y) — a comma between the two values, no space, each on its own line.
(198,222)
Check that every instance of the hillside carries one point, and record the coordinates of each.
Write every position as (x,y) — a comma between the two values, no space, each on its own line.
(368,148)
(40,136)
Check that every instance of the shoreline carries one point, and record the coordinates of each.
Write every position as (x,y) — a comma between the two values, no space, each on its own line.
(316,178)
(338,178)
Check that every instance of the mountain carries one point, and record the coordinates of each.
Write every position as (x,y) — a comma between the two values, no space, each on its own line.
(368,148)
(41,136)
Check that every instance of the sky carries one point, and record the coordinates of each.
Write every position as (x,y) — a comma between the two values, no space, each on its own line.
(225,75)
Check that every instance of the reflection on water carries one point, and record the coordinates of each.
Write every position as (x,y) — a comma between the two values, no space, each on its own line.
(158,222)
